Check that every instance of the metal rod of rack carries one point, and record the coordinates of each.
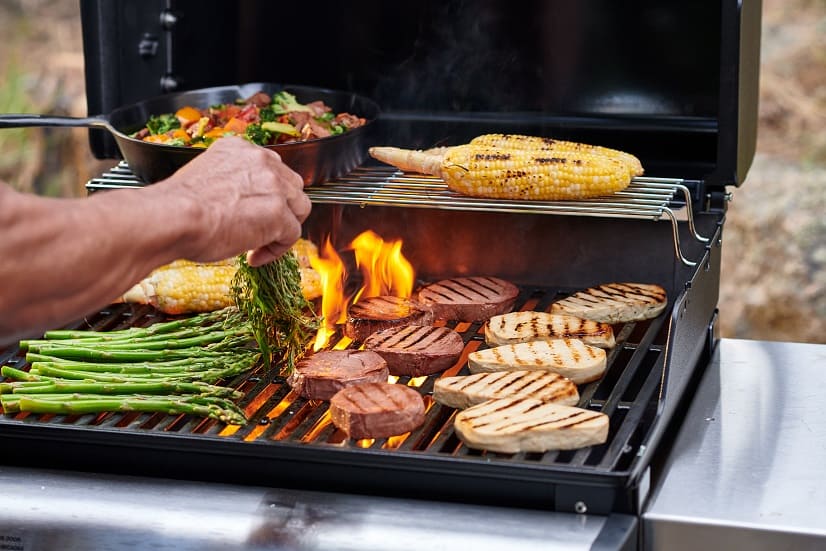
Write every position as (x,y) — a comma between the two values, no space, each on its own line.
(645,198)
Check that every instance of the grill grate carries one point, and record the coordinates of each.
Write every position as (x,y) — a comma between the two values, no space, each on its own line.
(646,198)
(277,414)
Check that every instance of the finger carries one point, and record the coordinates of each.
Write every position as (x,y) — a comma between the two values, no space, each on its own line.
(300,205)
(265,255)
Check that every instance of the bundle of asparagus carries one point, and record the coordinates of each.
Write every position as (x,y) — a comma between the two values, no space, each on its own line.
(170,367)
(167,367)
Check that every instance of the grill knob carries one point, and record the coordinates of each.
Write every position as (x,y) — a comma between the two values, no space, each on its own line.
(148,46)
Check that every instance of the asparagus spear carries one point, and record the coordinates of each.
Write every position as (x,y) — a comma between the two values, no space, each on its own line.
(228,316)
(79,404)
(167,367)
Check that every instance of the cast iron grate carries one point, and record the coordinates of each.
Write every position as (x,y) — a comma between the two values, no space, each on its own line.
(278,416)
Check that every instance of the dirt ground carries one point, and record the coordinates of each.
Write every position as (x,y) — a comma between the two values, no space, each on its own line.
(774,254)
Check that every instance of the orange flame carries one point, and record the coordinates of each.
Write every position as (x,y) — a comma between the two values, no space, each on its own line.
(385,272)
(333,307)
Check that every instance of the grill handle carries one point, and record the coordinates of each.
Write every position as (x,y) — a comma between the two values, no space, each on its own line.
(27,120)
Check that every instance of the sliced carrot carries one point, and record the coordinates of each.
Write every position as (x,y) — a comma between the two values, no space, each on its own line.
(236,125)
(181,134)
(215,133)
(187,115)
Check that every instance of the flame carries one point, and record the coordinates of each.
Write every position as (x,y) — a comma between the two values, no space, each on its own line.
(333,305)
(385,271)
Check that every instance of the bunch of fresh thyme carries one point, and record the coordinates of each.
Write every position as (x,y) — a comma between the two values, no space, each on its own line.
(282,320)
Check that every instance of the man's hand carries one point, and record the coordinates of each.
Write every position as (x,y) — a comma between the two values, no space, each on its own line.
(240,197)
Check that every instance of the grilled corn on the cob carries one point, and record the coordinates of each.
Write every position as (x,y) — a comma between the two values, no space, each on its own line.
(514,174)
(521,168)
(536,143)
(184,286)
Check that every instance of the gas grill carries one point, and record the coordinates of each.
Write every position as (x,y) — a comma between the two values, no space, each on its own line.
(674,83)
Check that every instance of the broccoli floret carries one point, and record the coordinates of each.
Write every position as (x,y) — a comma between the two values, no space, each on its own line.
(285,102)
(326,117)
(257,135)
(161,124)
(268,114)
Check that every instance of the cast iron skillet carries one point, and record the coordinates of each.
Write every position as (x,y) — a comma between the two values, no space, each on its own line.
(316,160)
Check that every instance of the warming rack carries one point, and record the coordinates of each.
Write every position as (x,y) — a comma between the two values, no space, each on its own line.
(645,198)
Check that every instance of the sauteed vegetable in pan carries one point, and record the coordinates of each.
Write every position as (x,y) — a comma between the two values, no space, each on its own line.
(260,118)
(316,160)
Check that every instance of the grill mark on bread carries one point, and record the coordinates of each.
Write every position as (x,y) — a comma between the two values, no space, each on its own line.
(529,425)
(628,290)
(615,302)
(511,404)
(562,393)
(528,326)
(509,379)
(560,419)
(571,358)
(465,391)
(590,417)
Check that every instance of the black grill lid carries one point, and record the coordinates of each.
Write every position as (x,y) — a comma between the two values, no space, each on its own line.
(673,82)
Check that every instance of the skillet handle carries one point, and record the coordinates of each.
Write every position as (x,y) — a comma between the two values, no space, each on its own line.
(26,120)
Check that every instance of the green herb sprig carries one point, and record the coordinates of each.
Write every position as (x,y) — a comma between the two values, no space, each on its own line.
(282,320)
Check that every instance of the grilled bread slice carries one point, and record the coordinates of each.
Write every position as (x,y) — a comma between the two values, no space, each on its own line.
(512,425)
(462,392)
(541,326)
(571,358)
(615,302)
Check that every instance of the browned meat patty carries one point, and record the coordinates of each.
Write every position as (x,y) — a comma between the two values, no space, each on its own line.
(377,410)
(373,314)
(321,375)
(416,350)
(469,298)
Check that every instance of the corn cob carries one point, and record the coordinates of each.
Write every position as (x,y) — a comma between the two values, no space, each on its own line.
(184,286)
(535,143)
(520,167)
(539,175)
(412,160)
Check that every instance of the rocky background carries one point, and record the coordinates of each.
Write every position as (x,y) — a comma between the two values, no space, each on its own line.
(774,253)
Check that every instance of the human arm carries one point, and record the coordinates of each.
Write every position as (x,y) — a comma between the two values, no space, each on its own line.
(63,258)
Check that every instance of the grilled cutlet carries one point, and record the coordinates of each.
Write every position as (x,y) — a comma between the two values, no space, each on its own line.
(512,425)
(465,391)
(614,302)
(540,326)
(571,358)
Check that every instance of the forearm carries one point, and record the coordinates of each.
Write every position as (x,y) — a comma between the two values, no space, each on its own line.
(64,258)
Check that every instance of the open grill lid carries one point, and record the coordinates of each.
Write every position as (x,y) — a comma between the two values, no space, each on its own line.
(673,82)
